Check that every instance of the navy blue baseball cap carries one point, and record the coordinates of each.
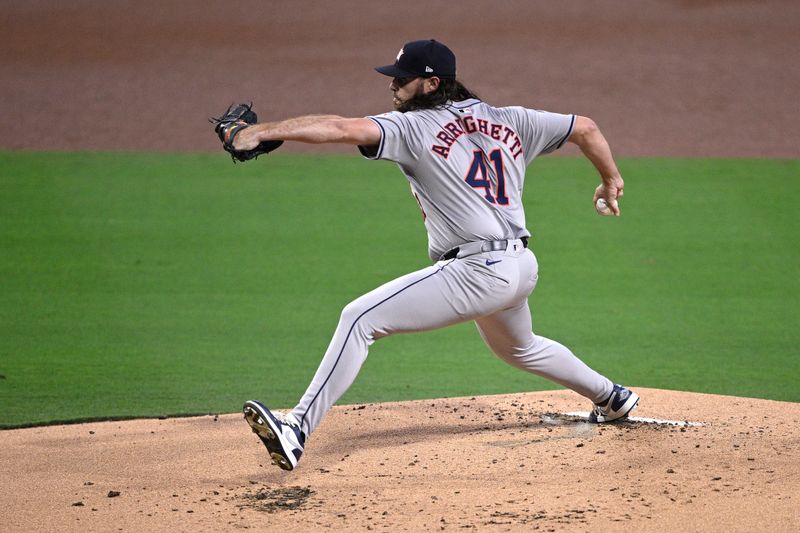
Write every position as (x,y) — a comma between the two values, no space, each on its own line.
(422,59)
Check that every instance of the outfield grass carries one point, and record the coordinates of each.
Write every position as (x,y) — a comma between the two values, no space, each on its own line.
(148,285)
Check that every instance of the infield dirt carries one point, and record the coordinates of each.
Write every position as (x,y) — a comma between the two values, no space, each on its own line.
(664,78)
(505,463)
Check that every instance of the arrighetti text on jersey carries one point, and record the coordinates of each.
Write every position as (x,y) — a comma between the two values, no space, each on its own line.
(467,126)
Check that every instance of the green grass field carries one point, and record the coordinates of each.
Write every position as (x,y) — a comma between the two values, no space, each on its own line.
(149,285)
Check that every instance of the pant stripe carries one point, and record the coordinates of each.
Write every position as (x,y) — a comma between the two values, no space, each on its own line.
(351,331)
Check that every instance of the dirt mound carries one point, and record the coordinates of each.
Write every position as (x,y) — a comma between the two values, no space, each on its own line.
(510,462)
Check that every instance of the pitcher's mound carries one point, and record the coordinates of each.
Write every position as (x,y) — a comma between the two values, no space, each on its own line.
(515,462)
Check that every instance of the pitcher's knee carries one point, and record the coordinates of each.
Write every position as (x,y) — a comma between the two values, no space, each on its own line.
(521,346)
(519,355)
(355,318)
(512,354)
(353,311)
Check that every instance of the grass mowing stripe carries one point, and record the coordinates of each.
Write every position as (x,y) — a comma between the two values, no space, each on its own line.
(148,285)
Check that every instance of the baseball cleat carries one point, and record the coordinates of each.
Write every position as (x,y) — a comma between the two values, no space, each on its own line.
(621,402)
(280,433)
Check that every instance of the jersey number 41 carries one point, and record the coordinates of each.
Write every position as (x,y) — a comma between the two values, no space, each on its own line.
(478,176)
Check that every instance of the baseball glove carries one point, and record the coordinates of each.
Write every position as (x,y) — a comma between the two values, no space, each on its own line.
(231,123)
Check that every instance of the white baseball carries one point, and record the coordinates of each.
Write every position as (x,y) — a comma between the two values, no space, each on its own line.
(602,208)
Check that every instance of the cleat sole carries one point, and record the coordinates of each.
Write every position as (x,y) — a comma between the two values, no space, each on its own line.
(281,461)
(271,439)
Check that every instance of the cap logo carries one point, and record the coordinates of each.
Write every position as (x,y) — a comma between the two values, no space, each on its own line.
(401,52)
(428,69)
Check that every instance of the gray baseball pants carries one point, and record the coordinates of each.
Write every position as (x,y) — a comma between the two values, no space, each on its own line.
(491,288)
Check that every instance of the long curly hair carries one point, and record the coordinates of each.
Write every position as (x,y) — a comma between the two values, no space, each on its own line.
(448,90)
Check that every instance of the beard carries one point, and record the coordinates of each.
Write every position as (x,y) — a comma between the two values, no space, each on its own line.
(417,101)
(448,90)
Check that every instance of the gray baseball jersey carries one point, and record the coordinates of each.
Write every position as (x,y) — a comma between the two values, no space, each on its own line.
(466,164)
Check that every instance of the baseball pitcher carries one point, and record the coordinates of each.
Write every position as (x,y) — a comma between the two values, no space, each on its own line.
(465,161)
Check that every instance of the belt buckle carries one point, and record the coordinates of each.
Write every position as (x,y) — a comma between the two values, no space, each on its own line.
(496,246)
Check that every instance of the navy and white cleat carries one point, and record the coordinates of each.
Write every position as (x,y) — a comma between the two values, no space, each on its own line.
(280,433)
(621,402)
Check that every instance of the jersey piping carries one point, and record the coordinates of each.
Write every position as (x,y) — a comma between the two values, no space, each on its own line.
(569,132)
